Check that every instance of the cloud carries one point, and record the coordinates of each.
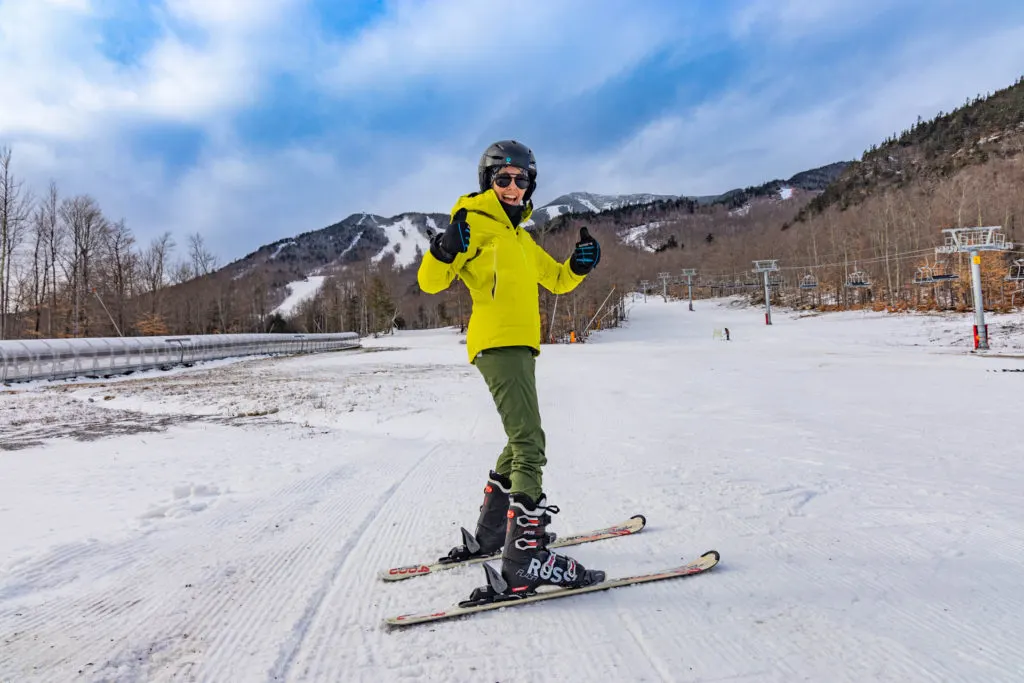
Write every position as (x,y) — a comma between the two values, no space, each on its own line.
(250,122)
(499,50)
(788,20)
(775,124)
(59,84)
(231,16)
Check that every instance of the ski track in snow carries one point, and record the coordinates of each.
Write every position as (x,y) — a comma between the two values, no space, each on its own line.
(867,531)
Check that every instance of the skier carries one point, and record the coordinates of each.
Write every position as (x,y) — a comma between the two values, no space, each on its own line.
(501,265)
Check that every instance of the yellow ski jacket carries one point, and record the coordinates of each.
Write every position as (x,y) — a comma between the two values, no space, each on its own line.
(501,269)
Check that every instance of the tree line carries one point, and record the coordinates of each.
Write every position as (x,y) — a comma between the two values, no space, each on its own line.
(68,270)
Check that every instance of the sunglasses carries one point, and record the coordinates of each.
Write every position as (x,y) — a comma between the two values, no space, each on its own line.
(505,179)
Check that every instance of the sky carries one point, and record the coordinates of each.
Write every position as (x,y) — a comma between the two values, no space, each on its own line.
(251,121)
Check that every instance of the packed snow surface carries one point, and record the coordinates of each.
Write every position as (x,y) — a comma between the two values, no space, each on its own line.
(859,473)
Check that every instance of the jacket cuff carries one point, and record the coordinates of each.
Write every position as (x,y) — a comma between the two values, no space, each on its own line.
(438,252)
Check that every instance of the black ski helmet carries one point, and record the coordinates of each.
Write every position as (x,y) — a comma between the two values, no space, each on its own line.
(507,153)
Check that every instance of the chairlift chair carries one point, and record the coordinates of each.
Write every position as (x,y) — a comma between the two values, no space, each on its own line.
(924,276)
(858,278)
(1016,275)
(809,282)
(942,272)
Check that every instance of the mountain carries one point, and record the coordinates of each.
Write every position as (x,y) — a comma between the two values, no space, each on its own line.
(369,237)
(819,178)
(360,237)
(294,267)
(813,180)
(983,129)
(586,202)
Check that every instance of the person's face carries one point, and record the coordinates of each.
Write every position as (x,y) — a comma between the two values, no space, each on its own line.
(511,177)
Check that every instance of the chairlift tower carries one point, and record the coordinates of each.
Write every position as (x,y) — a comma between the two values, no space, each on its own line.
(766,267)
(665,277)
(689,274)
(974,241)
(645,285)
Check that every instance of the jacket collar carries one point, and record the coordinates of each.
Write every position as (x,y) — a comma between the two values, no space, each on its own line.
(488,204)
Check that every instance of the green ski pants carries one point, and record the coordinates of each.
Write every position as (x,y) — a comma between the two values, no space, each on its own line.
(510,375)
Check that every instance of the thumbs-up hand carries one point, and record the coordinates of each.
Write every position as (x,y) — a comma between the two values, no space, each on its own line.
(453,241)
(586,255)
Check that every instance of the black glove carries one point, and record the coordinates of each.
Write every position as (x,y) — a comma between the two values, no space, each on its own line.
(586,255)
(453,241)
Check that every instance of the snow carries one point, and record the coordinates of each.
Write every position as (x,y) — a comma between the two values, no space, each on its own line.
(585,201)
(637,236)
(403,239)
(229,522)
(785,192)
(280,248)
(299,291)
(352,244)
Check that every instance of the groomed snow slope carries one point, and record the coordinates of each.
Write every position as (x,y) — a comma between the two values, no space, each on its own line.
(229,523)
(298,292)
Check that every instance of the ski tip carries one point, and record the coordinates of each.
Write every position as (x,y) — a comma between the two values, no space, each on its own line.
(643,520)
(712,553)
(400,573)
(391,625)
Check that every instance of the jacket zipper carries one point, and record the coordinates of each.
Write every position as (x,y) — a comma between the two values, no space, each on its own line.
(494,267)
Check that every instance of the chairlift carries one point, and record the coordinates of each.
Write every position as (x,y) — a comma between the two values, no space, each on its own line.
(858,278)
(1016,275)
(942,273)
(924,276)
(809,282)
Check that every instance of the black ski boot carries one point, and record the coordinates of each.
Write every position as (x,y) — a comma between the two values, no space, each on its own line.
(526,562)
(490,526)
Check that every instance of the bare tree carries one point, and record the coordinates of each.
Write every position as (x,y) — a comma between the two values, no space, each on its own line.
(40,275)
(86,225)
(154,264)
(54,241)
(15,207)
(202,259)
(121,268)
(182,273)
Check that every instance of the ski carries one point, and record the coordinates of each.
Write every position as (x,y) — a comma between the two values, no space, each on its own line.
(633,525)
(706,561)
